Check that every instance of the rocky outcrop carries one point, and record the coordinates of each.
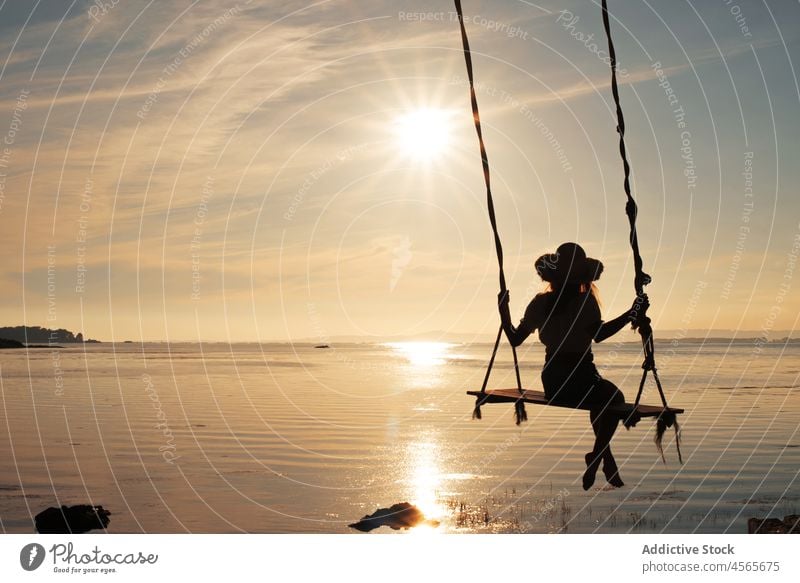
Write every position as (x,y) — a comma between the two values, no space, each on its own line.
(72,519)
(789,525)
(29,334)
(397,516)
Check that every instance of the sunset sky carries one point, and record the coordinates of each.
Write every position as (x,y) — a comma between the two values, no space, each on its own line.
(274,171)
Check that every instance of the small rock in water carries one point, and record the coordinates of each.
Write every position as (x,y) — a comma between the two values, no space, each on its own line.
(397,516)
(72,519)
(789,525)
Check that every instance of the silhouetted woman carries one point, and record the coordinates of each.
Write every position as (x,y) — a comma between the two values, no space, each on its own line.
(568,319)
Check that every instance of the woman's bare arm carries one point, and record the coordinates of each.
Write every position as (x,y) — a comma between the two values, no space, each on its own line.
(608,329)
(517,335)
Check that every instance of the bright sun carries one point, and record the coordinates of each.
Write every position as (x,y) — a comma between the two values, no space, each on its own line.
(423,134)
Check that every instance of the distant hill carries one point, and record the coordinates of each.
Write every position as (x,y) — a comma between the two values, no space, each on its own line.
(28,334)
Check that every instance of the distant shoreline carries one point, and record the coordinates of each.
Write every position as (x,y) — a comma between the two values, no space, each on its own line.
(664,339)
(7,344)
(305,342)
(35,336)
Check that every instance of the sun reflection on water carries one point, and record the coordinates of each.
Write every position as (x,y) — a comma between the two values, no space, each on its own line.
(423,354)
(424,478)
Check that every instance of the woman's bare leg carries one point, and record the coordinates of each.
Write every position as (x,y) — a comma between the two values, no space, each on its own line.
(604,426)
(592,459)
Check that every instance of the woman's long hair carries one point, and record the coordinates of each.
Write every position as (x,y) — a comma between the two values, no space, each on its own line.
(582,288)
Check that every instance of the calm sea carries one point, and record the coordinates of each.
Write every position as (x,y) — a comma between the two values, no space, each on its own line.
(282,438)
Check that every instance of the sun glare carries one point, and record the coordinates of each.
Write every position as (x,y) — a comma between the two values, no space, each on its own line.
(423,354)
(425,477)
(423,134)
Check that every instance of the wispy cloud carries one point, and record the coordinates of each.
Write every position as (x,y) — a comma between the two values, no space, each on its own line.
(131,114)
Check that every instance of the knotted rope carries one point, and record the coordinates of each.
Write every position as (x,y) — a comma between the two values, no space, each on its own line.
(519,409)
(641,321)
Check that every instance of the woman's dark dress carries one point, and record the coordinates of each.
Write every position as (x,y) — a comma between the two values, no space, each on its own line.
(567,325)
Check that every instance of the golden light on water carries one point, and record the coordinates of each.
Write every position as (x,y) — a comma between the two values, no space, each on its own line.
(425,478)
(423,354)
(423,473)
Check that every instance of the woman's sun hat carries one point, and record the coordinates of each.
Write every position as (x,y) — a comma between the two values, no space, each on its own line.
(568,264)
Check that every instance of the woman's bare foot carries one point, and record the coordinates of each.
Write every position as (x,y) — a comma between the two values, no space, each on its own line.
(611,471)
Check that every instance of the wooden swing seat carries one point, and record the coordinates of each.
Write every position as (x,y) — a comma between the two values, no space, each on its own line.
(537,398)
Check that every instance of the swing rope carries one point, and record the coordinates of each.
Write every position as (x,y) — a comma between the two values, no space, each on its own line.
(519,411)
(642,322)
